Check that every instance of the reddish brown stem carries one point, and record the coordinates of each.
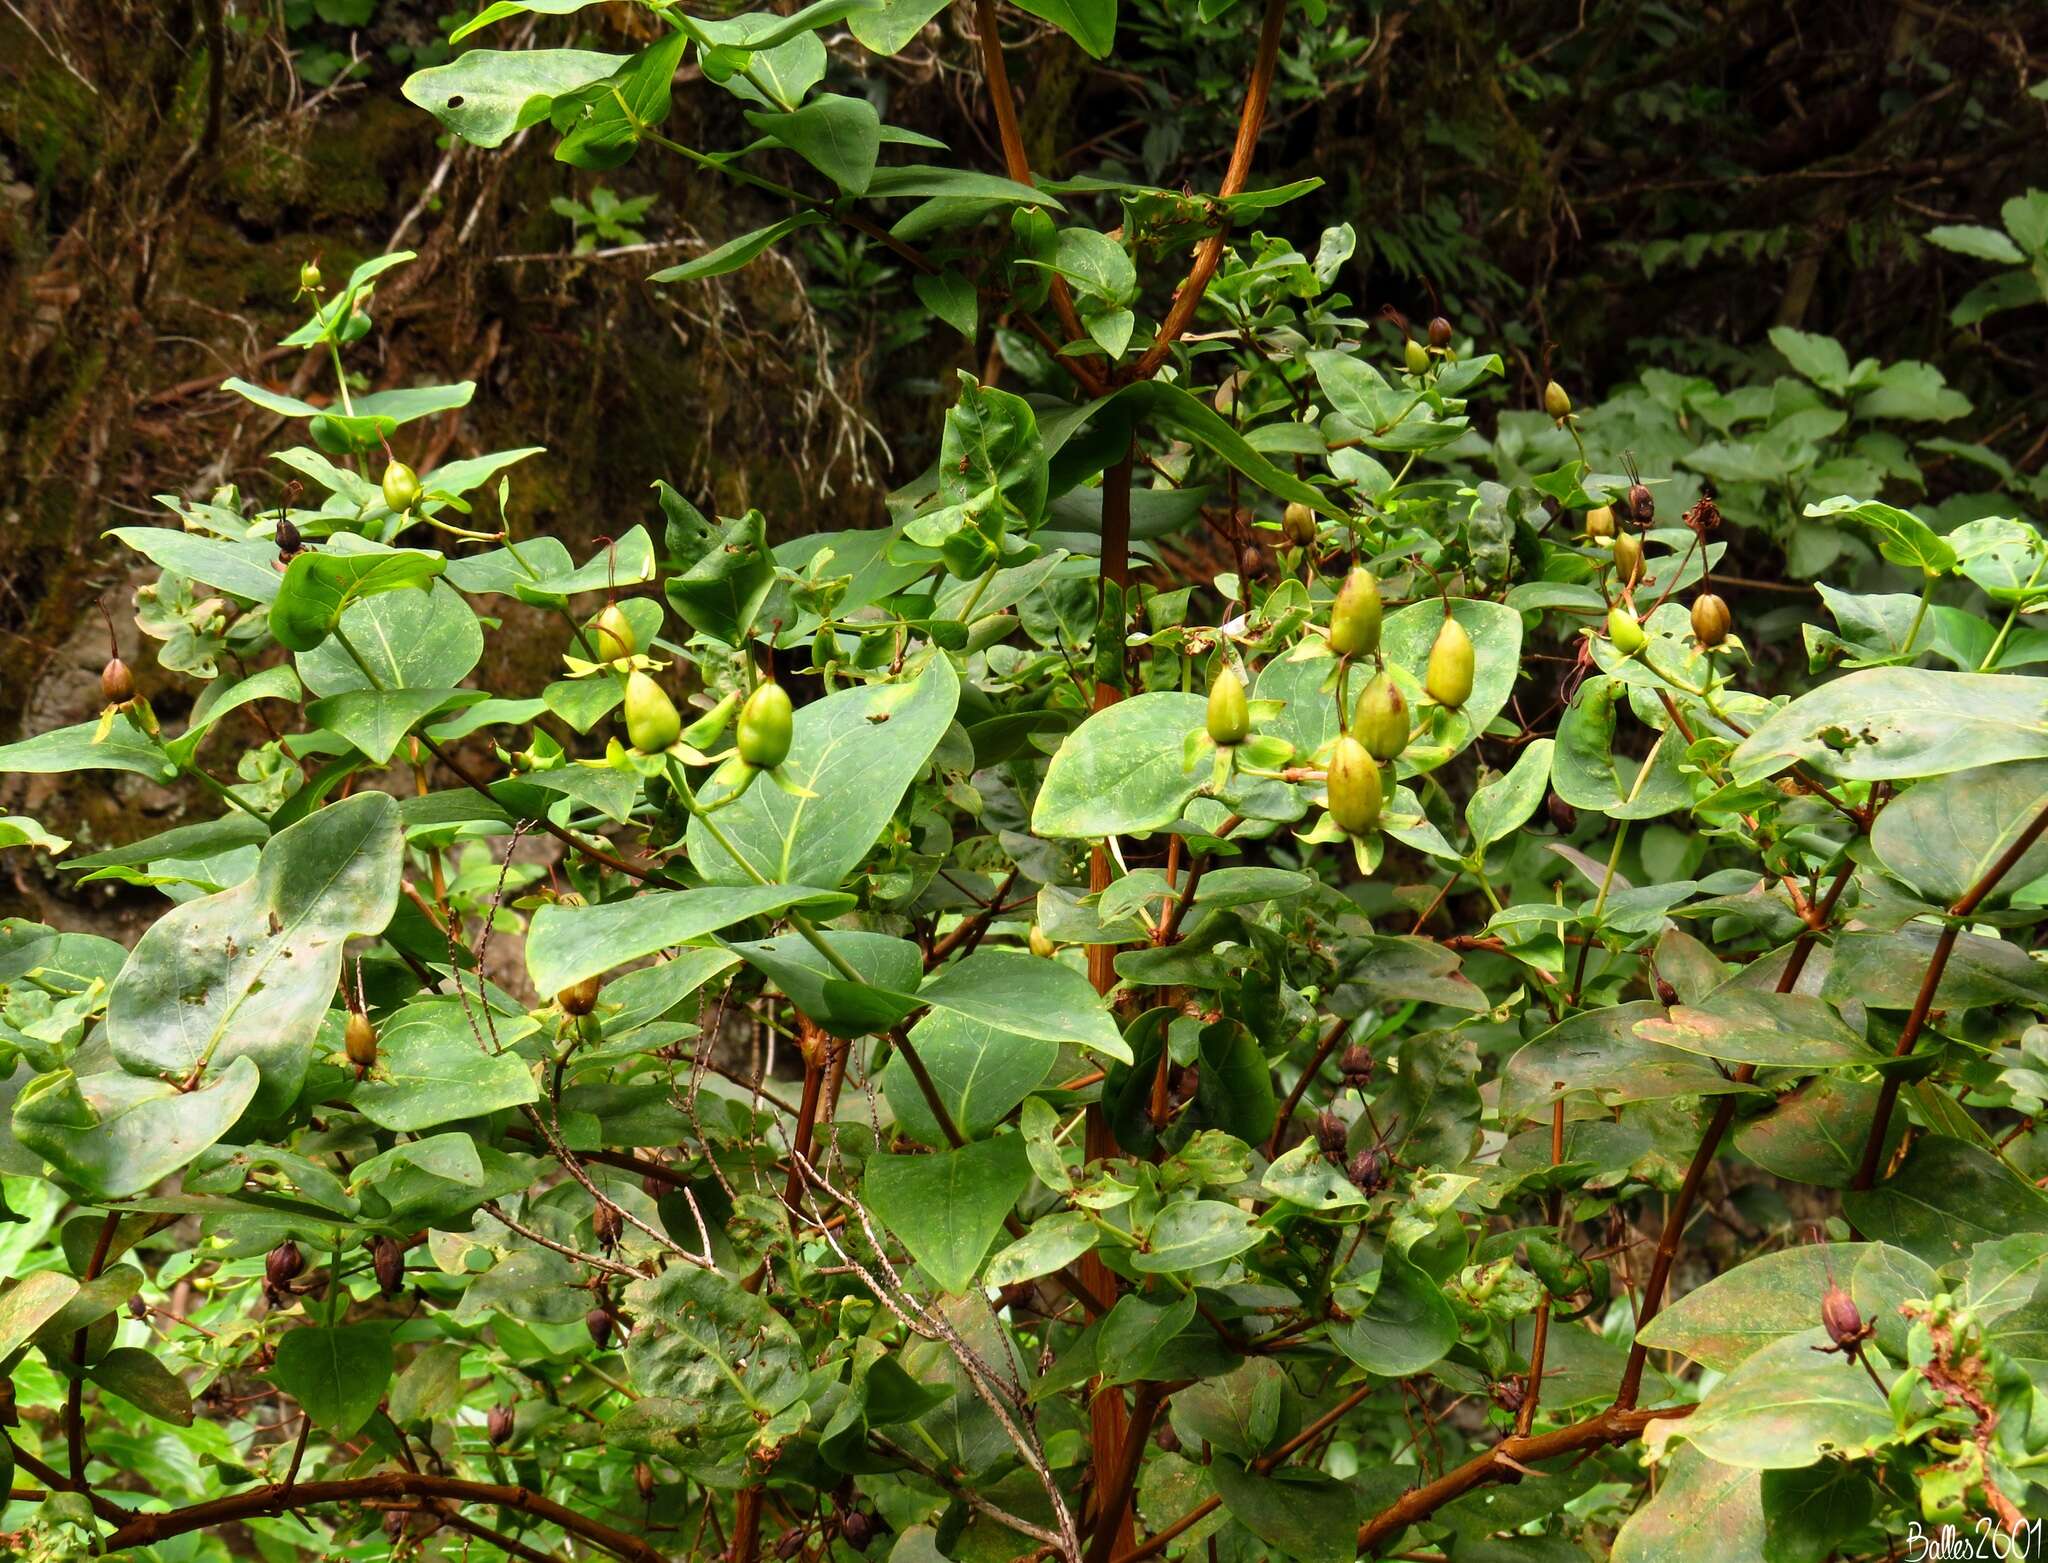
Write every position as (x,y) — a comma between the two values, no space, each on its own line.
(74,1403)
(1323,1050)
(142,1530)
(1505,1462)
(1710,1143)
(1964,905)
(1265,1463)
(1017,163)
(1209,255)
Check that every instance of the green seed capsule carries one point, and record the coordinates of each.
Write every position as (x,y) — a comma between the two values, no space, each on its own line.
(1355,620)
(401,486)
(1711,620)
(1416,356)
(1626,631)
(1600,521)
(611,633)
(1040,942)
(1380,719)
(309,277)
(1230,715)
(1299,525)
(1356,795)
(766,726)
(1628,558)
(1557,401)
(1448,679)
(652,721)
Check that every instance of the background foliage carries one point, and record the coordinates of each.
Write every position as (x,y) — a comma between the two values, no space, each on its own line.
(1513,1058)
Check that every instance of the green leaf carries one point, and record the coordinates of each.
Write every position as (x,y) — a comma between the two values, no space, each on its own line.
(484,95)
(1405,1326)
(947,1207)
(980,1071)
(431,1069)
(1237,1412)
(1304,1514)
(1013,991)
(884,997)
(1090,23)
(569,943)
(1943,835)
(1762,1300)
(1740,1025)
(1985,244)
(1591,775)
(120,1134)
(923,180)
(409,640)
(1053,1243)
(607,120)
(29,1304)
(887,28)
(319,587)
(727,1359)
(250,972)
(124,748)
(141,1380)
(1903,537)
(377,721)
(337,1374)
(839,136)
(1809,1513)
(735,253)
(1700,1510)
(1504,804)
(378,416)
(857,752)
(1883,724)
(1949,1197)
(1599,1052)
(1784,1407)
(1123,771)
(1191,1234)
(723,588)
(498,10)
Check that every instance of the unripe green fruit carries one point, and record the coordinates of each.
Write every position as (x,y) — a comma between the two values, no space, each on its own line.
(359,1038)
(401,486)
(1557,401)
(1040,942)
(611,633)
(765,726)
(1299,524)
(1600,521)
(1448,679)
(1628,558)
(1416,356)
(1380,719)
(1355,620)
(1230,714)
(652,721)
(1711,620)
(309,277)
(1626,631)
(1356,795)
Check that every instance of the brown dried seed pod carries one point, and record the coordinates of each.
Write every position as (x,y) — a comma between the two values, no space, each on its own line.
(1838,1313)
(498,1425)
(117,684)
(600,1322)
(1356,1065)
(605,1223)
(580,999)
(1331,1133)
(387,1259)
